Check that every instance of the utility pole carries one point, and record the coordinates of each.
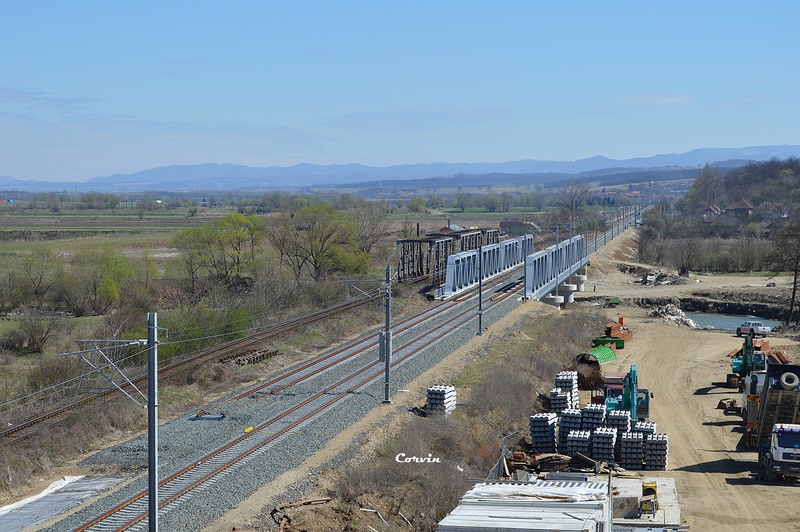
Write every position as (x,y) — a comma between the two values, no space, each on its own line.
(152,420)
(388,335)
(103,367)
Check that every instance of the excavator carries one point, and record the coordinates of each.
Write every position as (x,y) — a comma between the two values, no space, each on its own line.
(744,362)
(623,393)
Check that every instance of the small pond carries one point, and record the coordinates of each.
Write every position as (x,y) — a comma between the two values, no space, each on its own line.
(725,322)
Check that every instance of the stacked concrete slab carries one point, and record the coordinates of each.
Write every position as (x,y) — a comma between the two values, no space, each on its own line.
(593,416)
(568,382)
(579,441)
(603,441)
(569,421)
(656,449)
(647,427)
(619,420)
(543,432)
(560,400)
(441,400)
(632,450)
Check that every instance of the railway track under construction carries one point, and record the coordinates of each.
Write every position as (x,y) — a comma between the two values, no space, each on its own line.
(290,404)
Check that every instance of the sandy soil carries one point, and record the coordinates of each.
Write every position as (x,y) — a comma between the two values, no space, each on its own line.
(685,369)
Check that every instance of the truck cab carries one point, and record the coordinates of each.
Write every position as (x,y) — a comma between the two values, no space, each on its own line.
(784,451)
(777,434)
(643,404)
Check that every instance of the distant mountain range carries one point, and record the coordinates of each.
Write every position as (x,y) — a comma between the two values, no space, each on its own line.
(221,177)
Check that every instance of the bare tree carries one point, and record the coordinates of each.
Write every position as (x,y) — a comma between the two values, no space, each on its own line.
(492,202)
(463,200)
(38,330)
(407,231)
(506,200)
(371,223)
(573,196)
(709,185)
(314,238)
(786,258)
(39,271)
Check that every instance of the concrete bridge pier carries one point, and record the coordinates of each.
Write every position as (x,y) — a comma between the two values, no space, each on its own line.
(579,279)
(553,299)
(567,291)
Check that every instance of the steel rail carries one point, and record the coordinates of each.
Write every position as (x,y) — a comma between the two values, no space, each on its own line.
(232,346)
(172,367)
(436,334)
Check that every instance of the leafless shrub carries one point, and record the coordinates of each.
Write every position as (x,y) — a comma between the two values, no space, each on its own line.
(51,371)
(506,396)
(422,491)
(204,375)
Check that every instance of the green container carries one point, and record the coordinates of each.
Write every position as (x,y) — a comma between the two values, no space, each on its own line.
(619,343)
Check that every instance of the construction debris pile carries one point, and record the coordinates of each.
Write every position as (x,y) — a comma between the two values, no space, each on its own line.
(660,277)
(672,314)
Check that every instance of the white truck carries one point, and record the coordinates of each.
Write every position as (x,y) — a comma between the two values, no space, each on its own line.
(777,436)
(753,328)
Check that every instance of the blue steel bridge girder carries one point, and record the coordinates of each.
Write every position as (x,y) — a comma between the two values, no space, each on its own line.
(465,269)
(557,266)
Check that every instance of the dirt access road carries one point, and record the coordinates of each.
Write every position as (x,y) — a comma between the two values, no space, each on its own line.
(685,369)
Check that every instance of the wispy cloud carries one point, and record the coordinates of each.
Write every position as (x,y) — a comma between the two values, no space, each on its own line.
(413,120)
(42,101)
(64,106)
(16,96)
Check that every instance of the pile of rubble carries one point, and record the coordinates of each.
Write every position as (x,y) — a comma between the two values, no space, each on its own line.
(660,277)
(673,314)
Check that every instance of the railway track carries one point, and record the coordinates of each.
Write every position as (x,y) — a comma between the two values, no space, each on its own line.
(25,428)
(20,428)
(204,472)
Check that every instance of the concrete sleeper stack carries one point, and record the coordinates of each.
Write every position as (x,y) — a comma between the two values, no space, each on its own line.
(656,449)
(603,440)
(570,420)
(579,441)
(620,420)
(441,400)
(648,427)
(632,450)
(543,432)
(568,382)
(560,400)
(593,416)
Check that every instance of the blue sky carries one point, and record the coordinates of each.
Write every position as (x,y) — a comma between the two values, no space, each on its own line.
(95,88)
